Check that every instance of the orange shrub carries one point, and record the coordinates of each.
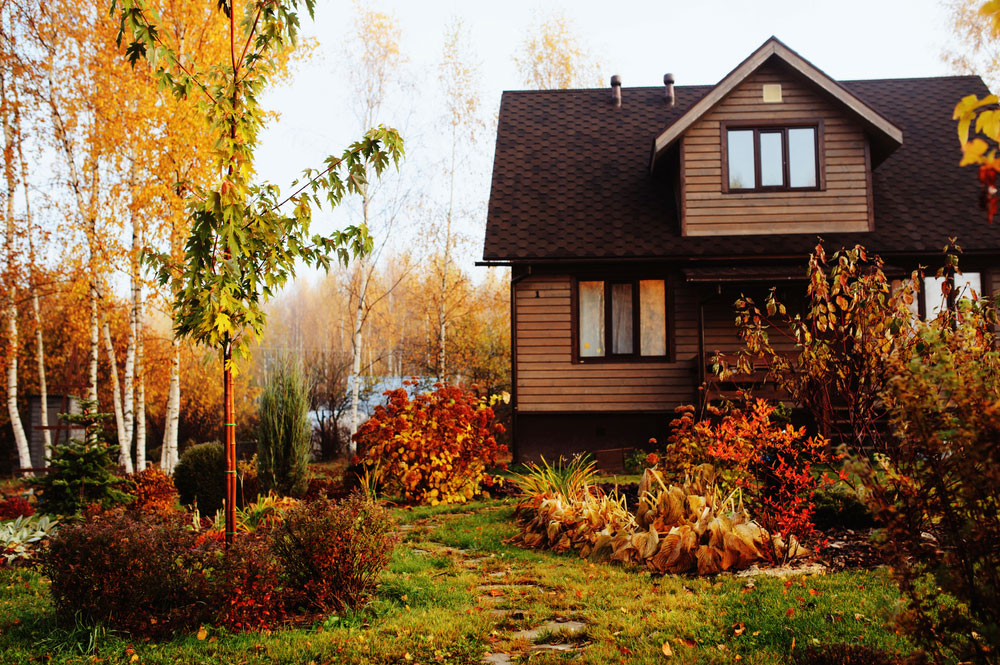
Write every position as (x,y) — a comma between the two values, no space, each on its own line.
(434,448)
(152,489)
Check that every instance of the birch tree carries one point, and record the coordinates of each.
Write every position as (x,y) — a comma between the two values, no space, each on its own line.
(375,73)
(458,76)
(553,57)
(11,275)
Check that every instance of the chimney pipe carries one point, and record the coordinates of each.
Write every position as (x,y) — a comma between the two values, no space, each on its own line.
(668,82)
(616,90)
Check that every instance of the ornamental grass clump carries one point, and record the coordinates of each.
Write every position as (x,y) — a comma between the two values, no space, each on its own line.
(434,448)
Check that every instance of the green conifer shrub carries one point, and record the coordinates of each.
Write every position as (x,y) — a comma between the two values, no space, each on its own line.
(82,472)
(283,436)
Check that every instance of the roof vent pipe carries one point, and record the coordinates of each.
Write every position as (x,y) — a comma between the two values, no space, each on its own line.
(616,90)
(668,82)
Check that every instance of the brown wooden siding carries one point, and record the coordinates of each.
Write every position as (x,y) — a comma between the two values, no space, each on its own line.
(843,206)
(549,381)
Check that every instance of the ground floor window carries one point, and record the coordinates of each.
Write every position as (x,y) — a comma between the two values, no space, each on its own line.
(622,319)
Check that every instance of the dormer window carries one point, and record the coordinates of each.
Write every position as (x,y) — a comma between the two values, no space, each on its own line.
(771,158)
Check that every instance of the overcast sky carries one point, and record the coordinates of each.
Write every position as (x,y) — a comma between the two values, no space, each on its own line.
(699,42)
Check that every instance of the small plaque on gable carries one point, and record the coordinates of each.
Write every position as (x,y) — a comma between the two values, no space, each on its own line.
(772,93)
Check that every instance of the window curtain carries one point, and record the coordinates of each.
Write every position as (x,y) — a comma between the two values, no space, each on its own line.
(591,319)
(652,317)
(621,318)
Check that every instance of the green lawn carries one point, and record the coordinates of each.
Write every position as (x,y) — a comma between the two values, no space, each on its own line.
(456,592)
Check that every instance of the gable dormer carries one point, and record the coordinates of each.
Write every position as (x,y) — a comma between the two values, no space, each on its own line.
(777,147)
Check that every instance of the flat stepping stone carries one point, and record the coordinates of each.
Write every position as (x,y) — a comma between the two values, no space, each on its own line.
(553,628)
(498,574)
(784,571)
(557,648)
(513,586)
(508,614)
(497,659)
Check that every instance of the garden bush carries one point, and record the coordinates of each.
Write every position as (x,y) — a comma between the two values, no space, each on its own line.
(141,573)
(284,443)
(14,507)
(936,492)
(332,553)
(81,472)
(154,573)
(246,589)
(151,489)
(772,465)
(434,448)
(200,477)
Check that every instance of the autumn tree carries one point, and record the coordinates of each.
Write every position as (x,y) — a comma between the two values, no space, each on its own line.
(375,73)
(245,239)
(459,79)
(974,49)
(9,67)
(552,56)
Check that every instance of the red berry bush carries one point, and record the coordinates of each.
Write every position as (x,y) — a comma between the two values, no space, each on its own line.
(434,448)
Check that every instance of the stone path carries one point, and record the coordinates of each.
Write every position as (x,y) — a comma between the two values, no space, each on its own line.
(556,634)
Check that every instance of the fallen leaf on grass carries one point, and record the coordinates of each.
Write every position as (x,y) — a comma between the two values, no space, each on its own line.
(789,612)
(202,633)
(667,651)
(738,629)
(685,642)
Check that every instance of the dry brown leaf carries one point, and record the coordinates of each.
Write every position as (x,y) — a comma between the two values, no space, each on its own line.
(202,633)
(667,651)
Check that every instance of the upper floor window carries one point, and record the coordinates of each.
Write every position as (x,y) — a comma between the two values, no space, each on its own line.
(772,158)
(621,319)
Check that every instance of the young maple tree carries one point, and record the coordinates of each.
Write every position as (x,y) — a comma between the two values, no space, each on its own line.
(245,239)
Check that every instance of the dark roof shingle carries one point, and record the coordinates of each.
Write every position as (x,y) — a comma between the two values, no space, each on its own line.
(571,178)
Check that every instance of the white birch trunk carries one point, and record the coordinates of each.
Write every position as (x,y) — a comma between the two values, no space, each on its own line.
(168,452)
(20,439)
(140,392)
(124,444)
(43,391)
(359,320)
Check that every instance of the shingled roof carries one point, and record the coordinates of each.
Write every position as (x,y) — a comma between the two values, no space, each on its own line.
(571,178)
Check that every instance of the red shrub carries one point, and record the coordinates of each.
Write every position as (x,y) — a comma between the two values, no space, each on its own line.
(333,553)
(435,448)
(140,573)
(14,507)
(772,465)
(152,489)
(247,589)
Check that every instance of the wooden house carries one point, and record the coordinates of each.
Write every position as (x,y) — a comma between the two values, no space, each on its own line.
(632,218)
